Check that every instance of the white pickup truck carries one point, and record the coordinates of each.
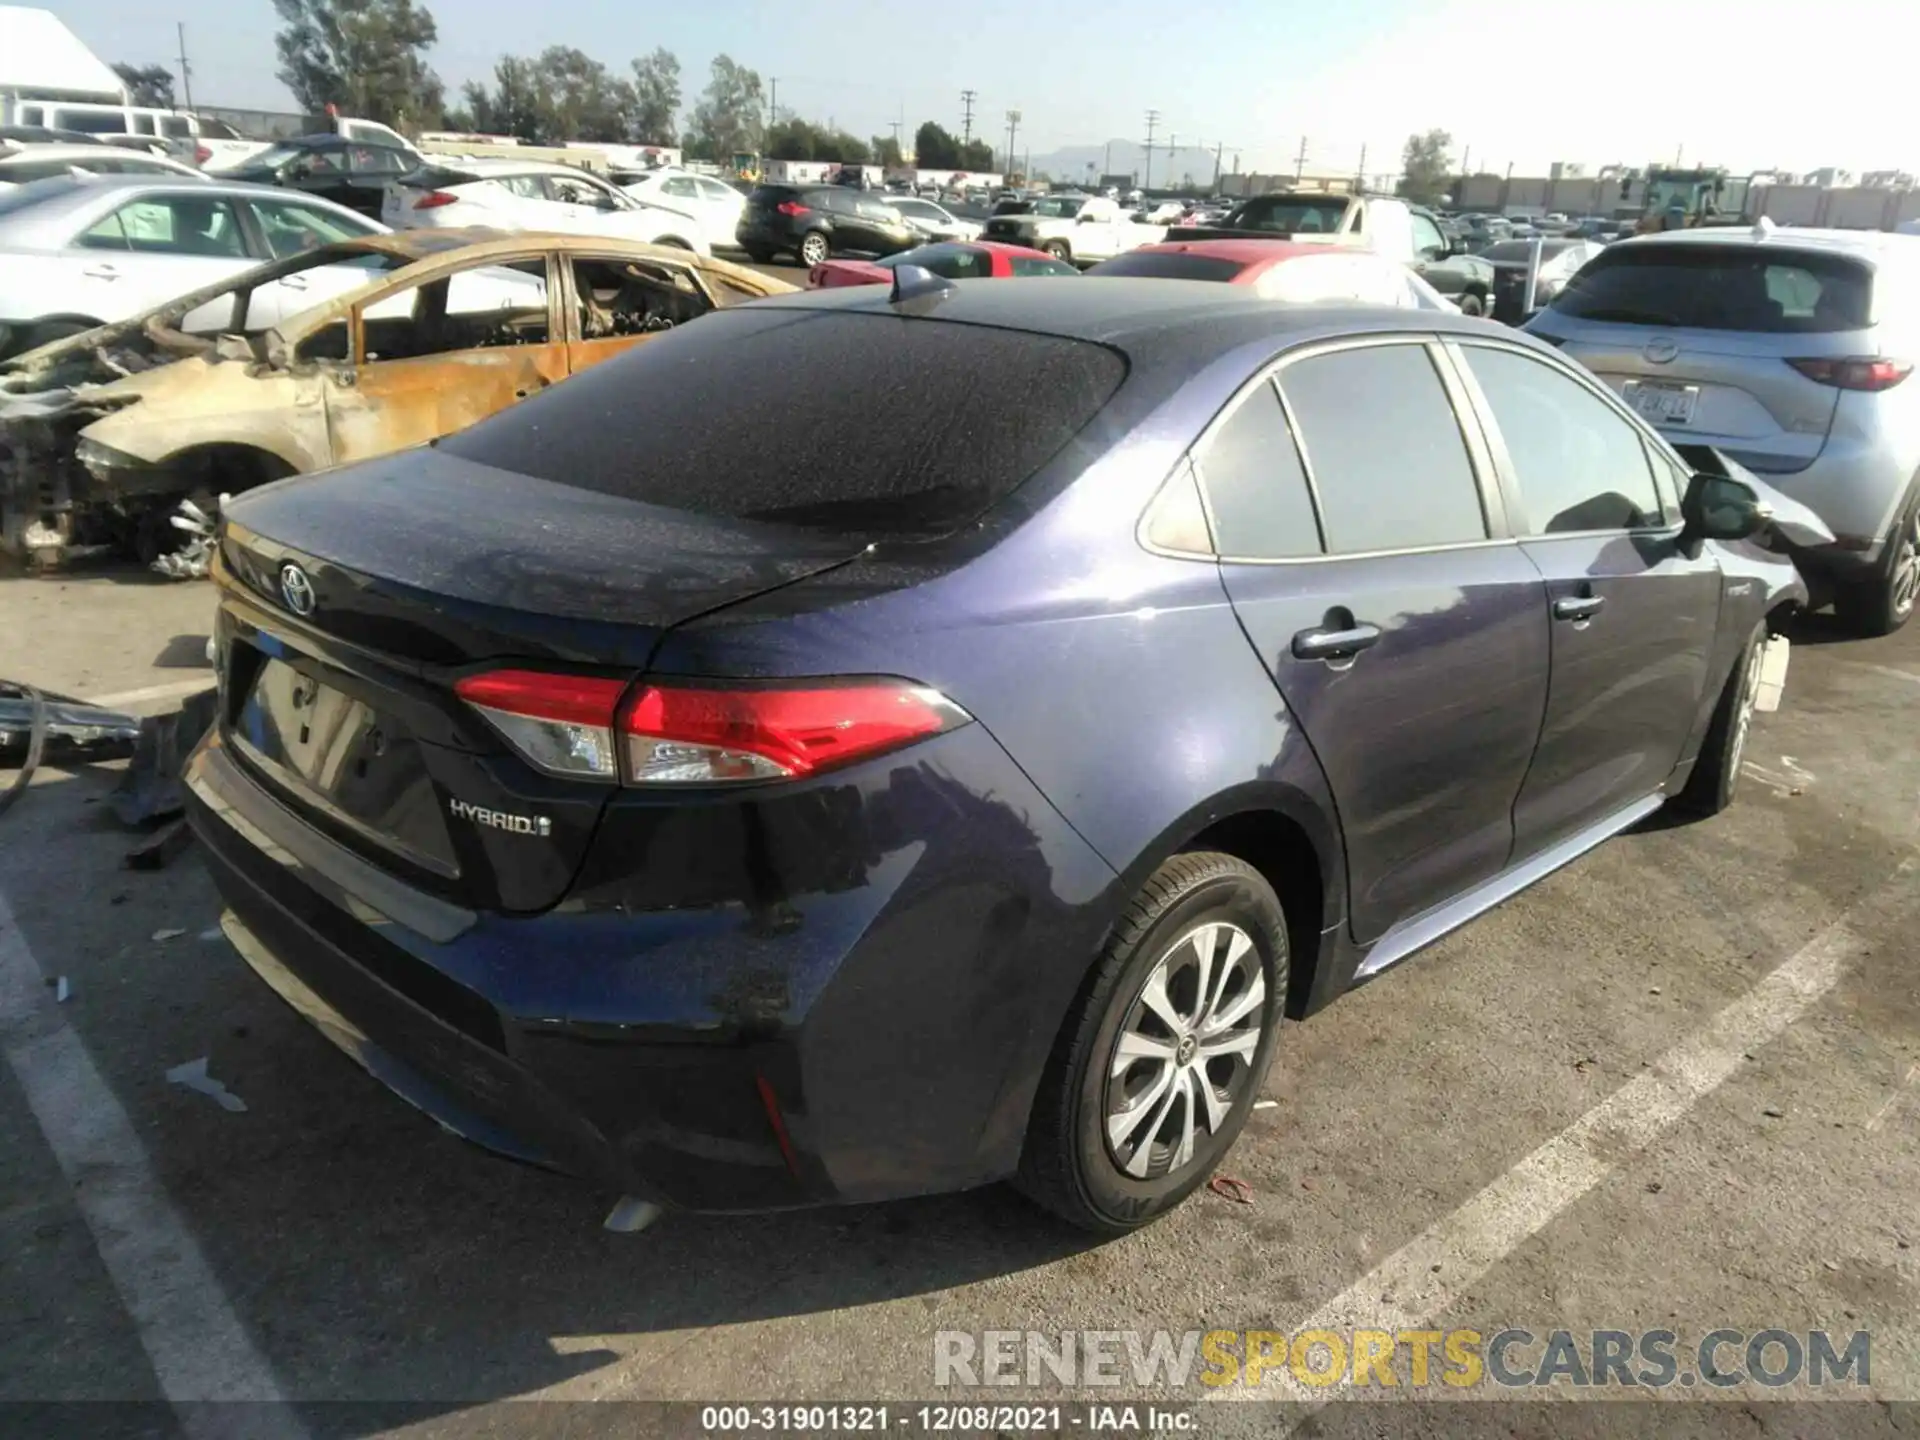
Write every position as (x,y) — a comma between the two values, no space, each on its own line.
(1081,228)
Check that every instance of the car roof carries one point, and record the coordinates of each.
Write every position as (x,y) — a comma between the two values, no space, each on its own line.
(1866,244)
(71,151)
(59,195)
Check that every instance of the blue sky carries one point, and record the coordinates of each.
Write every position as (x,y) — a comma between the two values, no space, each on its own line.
(1518,81)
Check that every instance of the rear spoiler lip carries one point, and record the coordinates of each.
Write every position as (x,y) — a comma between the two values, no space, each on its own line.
(1225,232)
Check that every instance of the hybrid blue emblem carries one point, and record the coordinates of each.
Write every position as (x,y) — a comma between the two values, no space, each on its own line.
(296,589)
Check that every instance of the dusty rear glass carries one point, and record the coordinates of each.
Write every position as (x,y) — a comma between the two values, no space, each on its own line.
(1722,287)
(869,424)
(1173,265)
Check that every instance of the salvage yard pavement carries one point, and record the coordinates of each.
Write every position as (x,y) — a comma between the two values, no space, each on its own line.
(1672,1087)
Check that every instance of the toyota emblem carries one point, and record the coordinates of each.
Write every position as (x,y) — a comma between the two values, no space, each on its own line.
(296,589)
(1661,349)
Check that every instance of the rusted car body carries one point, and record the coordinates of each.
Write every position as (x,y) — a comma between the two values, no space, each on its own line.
(102,434)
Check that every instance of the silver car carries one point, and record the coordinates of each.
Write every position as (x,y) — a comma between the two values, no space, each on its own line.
(1791,351)
(78,251)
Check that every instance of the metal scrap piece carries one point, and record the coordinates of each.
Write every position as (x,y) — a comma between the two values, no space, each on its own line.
(194,1076)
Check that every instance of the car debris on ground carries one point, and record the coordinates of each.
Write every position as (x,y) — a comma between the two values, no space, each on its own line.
(193,1075)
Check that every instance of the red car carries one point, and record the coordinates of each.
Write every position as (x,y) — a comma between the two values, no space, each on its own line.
(1284,270)
(954,259)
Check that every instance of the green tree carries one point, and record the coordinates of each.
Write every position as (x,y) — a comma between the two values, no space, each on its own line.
(727,120)
(976,155)
(150,85)
(1426,167)
(365,57)
(514,106)
(886,151)
(935,148)
(656,97)
(580,99)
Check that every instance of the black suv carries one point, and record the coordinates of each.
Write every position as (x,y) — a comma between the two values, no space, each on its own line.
(815,222)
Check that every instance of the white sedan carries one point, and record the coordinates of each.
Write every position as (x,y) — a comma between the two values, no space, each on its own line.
(933,221)
(714,206)
(41,162)
(531,195)
(87,250)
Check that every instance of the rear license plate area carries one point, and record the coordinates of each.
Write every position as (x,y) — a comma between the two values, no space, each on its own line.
(1660,402)
(342,756)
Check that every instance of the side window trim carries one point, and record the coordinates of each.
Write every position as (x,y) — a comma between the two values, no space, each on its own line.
(1503,462)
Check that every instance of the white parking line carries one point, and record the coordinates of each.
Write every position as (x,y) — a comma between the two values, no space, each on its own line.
(1425,1277)
(199,1349)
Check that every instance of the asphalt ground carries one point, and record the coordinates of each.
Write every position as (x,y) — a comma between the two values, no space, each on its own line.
(1672,1087)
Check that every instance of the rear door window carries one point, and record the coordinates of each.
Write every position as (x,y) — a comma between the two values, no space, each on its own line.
(1384,484)
(179,225)
(1765,289)
(971,412)
(1580,465)
(619,297)
(1255,485)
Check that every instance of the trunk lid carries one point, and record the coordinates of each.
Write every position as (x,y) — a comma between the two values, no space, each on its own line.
(410,572)
(1698,338)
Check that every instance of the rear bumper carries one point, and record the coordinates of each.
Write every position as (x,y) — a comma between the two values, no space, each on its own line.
(876,1040)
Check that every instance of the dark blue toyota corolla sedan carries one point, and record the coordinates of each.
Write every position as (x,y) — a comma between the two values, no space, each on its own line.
(860,744)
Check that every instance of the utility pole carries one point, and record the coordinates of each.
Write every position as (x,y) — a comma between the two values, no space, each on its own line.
(967,97)
(186,71)
(1466,161)
(1013,126)
(773,100)
(1300,162)
(1360,180)
(1219,149)
(1106,166)
(1153,120)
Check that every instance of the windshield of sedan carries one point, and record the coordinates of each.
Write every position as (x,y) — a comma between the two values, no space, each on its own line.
(1059,207)
(274,156)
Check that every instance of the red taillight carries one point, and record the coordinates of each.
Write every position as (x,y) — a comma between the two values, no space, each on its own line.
(434,199)
(1863,373)
(561,723)
(690,734)
(201,154)
(791,207)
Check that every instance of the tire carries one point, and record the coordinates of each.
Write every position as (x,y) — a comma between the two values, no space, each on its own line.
(814,248)
(1883,603)
(1471,304)
(1716,773)
(1058,249)
(1071,1165)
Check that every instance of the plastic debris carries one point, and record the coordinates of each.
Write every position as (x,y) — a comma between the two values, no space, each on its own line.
(150,789)
(170,933)
(195,556)
(61,990)
(1229,1187)
(630,1216)
(194,1076)
(1266,1104)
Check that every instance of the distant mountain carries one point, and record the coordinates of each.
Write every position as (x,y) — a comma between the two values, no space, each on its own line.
(1128,157)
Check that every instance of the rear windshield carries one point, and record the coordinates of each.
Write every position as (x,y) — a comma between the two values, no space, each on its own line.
(1291,215)
(856,424)
(1712,287)
(1171,265)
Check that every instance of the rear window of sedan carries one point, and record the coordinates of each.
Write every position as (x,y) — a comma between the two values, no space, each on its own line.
(1753,288)
(856,424)
(1171,265)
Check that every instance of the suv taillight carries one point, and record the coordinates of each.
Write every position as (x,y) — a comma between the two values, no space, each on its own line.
(695,734)
(791,207)
(201,154)
(434,199)
(1863,373)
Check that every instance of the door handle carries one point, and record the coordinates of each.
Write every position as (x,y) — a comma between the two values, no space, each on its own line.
(294,282)
(1323,644)
(1578,607)
(101,272)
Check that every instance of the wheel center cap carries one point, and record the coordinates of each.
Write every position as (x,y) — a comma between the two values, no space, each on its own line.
(1183,1052)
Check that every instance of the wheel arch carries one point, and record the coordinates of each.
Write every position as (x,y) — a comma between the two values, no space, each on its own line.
(207,462)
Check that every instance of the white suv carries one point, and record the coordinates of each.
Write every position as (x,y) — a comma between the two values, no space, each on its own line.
(1792,351)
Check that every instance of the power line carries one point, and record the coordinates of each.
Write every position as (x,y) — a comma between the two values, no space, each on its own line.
(967,97)
(1153,119)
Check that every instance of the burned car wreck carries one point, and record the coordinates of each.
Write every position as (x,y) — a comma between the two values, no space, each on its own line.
(414,335)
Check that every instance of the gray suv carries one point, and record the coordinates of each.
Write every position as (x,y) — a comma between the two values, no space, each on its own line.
(1790,352)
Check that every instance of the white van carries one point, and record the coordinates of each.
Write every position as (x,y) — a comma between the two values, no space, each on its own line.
(164,126)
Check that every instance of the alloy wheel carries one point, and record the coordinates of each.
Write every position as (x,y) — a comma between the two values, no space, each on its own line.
(1906,565)
(1182,1059)
(1749,692)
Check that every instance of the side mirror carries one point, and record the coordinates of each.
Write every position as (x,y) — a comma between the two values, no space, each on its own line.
(1717,507)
